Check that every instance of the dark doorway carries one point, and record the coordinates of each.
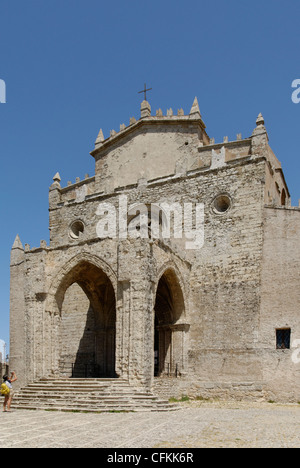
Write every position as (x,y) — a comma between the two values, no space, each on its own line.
(169,307)
(88,324)
(156,348)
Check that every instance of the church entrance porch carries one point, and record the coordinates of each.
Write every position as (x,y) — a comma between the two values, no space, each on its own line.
(87,329)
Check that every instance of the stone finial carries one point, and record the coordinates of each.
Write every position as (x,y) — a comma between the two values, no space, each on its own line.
(17,253)
(57,178)
(195,110)
(17,244)
(260,126)
(180,112)
(259,135)
(55,192)
(170,112)
(56,181)
(260,120)
(159,113)
(132,120)
(145,109)
(100,138)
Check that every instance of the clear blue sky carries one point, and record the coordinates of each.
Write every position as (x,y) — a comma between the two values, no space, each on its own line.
(73,66)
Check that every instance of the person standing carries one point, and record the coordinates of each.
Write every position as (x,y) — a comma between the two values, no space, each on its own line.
(8,398)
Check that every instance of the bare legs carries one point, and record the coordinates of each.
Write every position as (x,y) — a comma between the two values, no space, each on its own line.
(7,402)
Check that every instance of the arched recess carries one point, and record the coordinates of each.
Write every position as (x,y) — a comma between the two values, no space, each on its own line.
(84,305)
(170,326)
(283,197)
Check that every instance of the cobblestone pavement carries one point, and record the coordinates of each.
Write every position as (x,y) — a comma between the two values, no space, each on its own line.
(196,424)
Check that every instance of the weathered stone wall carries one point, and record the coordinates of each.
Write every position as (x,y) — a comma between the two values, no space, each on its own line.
(280,299)
(118,168)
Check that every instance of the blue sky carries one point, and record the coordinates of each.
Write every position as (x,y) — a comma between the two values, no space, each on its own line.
(73,66)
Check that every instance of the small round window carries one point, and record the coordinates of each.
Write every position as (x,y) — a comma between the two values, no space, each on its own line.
(221,204)
(76,229)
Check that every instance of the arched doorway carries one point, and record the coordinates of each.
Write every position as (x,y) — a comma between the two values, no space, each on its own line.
(169,311)
(87,338)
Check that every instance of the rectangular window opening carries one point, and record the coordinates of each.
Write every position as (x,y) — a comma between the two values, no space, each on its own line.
(283,338)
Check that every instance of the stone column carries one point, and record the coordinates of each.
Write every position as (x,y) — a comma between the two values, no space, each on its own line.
(179,348)
(135,332)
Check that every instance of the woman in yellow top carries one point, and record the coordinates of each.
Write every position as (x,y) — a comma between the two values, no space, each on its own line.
(8,398)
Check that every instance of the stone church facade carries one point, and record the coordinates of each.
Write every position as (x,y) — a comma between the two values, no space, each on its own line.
(220,319)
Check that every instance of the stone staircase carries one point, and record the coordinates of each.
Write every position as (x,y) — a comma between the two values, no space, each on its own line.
(87,395)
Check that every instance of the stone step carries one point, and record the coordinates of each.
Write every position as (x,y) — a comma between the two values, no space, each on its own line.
(113,409)
(82,383)
(107,391)
(79,398)
(60,406)
(63,394)
(88,404)
(71,381)
(85,393)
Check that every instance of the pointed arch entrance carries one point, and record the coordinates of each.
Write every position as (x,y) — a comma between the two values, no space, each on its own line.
(169,349)
(87,329)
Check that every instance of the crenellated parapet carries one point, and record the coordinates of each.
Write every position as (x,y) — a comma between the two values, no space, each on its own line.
(170,116)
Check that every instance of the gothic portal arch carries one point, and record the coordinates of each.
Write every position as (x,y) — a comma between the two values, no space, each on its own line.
(170,326)
(85,304)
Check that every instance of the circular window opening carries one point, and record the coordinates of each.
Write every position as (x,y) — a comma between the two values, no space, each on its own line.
(221,204)
(76,229)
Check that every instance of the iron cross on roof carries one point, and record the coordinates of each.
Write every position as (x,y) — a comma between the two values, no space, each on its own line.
(145,91)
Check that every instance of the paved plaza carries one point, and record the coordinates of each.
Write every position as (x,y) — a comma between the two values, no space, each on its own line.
(196,424)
